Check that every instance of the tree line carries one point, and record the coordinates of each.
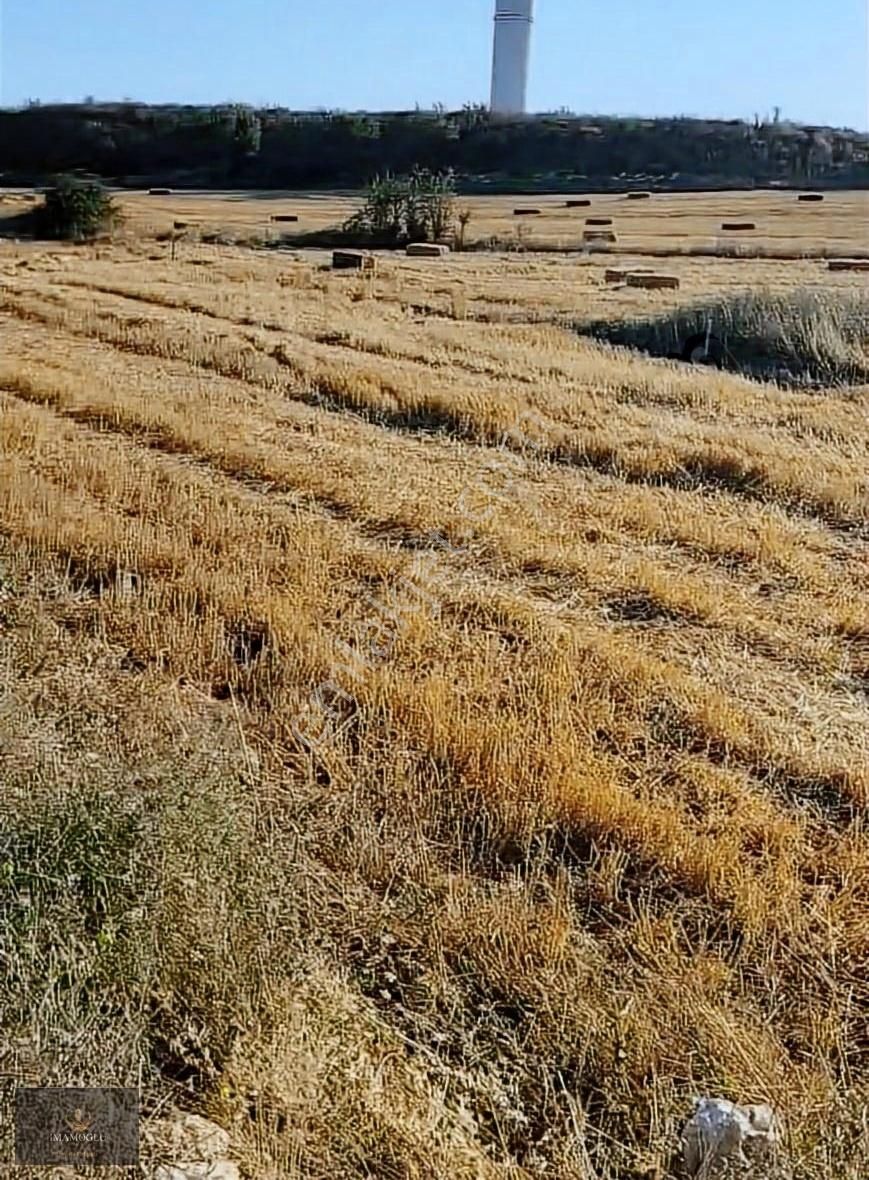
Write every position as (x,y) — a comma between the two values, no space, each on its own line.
(239,146)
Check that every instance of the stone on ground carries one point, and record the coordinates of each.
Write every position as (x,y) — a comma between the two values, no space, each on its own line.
(721,1134)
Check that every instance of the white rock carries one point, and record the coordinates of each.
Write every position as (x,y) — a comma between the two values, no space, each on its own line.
(720,1133)
(190,1137)
(218,1170)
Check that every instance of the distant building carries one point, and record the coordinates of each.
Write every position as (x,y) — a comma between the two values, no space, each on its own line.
(513,20)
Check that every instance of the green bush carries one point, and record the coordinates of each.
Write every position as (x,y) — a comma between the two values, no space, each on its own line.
(397,210)
(75,210)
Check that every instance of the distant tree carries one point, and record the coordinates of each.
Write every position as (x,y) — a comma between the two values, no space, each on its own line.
(248,131)
(473,115)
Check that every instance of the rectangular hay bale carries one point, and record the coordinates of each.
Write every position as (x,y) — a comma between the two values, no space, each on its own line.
(652,282)
(598,221)
(856,264)
(284,217)
(621,276)
(810,197)
(577,204)
(352,260)
(742,226)
(427,250)
(526,212)
(639,196)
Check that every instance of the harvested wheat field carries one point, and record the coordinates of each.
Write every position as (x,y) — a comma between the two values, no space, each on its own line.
(432,743)
(665,225)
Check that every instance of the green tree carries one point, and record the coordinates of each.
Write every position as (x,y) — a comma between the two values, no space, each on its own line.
(248,131)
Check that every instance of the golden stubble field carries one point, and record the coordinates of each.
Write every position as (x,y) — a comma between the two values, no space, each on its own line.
(664,223)
(461,727)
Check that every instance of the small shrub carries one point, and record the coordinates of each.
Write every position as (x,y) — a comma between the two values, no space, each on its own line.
(75,210)
(464,220)
(433,199)
(105,906)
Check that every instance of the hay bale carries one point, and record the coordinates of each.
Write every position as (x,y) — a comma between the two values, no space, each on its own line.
(598,221)
(179,225)
(159,192)
(526,212)
(621,276)
(352,260)
(284,217)
(577,204)
(652,282)
(599,235)
(739,226)
(859,264)
(810,197)
(427,250)
(639,196)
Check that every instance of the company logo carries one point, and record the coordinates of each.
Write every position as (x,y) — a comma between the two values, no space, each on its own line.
(79,1127)
(79,1121)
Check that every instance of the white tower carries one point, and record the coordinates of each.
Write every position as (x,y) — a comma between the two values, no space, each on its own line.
(512,49)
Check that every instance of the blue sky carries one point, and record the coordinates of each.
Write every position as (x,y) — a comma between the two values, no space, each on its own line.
(729,58)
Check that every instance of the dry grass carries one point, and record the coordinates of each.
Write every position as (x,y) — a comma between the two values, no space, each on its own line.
(809,339)
(585,831)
